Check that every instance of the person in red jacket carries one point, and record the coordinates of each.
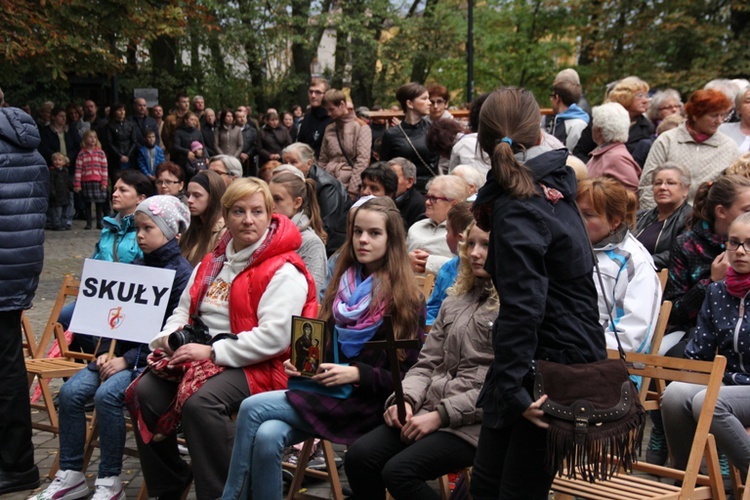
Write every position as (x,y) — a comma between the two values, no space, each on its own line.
(244,293)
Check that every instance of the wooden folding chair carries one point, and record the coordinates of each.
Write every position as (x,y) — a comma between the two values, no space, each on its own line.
(45,369)
(663,277)
(300,471)
(68,290)
(694,485)
(29,342)
(425,282)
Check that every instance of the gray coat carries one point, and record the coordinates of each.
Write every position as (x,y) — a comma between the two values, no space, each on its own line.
(24,189)
(453,363)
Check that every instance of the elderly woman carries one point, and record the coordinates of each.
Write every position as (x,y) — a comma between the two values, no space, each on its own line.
(244,294)
(611,158)
(632,94)
(663,104)
(409,138)
(659,227)
(697,144)
(739,131)
(428,248)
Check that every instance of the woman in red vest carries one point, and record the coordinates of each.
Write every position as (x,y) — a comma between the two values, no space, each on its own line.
(239,304)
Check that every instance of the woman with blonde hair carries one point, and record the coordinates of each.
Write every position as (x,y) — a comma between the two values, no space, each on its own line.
(632,94)
(443,422)
(207,225)
(242,296)
(294,196)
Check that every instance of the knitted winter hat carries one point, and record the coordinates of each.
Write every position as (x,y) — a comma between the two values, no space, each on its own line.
(195,145)
(168,213)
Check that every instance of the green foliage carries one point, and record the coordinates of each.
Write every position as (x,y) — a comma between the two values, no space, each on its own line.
(261,53)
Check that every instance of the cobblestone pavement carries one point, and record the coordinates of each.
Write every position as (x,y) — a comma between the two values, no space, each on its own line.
(65,252)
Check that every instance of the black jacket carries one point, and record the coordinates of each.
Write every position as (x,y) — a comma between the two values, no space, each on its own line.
(332,199)
(23,198)
(50,143)
(541,263)
(183,138)
(395,144)
(674,225)
(312,128)
(208,140)
(411,206)
(640,139)
(120,141)
(272,141)
(61,184)
(143,124)
(166,257)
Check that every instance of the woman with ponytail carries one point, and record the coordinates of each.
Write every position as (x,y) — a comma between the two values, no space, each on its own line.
(540,261)
(294,196)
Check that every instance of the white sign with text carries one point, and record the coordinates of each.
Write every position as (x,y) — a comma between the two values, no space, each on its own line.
(121,301)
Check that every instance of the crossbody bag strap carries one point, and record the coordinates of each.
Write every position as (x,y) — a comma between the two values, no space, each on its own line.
(601,286)
(416,152)
(341,146)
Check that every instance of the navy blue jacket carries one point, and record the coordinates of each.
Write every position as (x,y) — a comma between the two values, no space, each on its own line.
(24,190)
(50,143)
(541,263)
(166,257)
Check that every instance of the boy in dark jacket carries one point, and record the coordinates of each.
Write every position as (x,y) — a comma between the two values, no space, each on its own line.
(158,220)
(61,186)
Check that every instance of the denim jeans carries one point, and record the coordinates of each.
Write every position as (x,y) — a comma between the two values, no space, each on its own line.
(266,423)
(70,211)
(57,216)
(108,400)
(681,407)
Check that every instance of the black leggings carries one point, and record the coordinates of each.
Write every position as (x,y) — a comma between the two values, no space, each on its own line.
(379,459)
(510,463)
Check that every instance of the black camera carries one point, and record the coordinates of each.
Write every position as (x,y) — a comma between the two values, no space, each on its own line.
(197,333)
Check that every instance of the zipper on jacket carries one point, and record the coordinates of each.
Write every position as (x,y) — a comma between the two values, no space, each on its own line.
(737,328)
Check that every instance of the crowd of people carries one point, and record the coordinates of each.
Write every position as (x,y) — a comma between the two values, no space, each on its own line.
(329,213)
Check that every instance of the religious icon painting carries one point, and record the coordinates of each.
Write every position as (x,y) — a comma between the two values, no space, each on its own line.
(308,344)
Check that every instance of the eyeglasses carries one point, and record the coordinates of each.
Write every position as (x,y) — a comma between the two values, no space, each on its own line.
(437,101)
(433,199)
(671,106)
(222,173)
(734,245)
(166,182)
(641,95)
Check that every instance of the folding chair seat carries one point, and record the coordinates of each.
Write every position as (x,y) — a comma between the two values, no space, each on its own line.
(693,484)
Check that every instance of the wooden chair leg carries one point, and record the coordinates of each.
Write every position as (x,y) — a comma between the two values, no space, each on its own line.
(300,471)
(445,487)
(55,466)
(91,436)
(333,472)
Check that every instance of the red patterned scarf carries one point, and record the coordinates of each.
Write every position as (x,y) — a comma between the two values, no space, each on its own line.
(738,285)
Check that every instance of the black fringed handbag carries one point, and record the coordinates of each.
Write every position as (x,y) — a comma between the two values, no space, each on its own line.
(595,417)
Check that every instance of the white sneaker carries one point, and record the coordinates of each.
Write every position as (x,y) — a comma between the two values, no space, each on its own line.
(67,485)
(109,488)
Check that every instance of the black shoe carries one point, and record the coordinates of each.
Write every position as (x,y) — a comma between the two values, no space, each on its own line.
(19,481)
(87,226)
